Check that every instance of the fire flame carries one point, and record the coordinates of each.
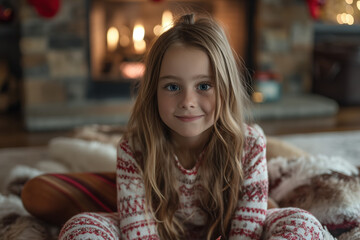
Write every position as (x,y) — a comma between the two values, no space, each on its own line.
(112,39)
(138,38)
(166,20)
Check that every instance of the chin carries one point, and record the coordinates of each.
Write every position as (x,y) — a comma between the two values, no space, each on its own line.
(190,133)
(187,135)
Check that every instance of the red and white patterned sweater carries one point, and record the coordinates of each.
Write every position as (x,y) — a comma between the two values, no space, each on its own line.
(249,215)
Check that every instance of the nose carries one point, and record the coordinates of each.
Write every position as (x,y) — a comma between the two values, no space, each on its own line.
(188,99)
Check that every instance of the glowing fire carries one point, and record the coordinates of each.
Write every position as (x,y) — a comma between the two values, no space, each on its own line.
(166,23)
(166,20)
(112,39)
(138,38)
(132,70)
(139,32)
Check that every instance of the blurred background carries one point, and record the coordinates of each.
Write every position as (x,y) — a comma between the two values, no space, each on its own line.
(66,64)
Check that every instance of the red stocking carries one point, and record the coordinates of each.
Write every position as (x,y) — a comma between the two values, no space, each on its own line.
(314,7)
(46,8)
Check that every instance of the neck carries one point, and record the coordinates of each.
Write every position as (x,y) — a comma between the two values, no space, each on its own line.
(188,149)
(190,144)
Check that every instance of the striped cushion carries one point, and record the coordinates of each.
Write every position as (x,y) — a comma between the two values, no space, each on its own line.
(55,198)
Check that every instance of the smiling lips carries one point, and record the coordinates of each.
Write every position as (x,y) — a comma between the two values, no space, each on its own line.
(188,118)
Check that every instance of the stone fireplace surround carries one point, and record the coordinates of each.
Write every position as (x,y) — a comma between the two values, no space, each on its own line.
(56,71)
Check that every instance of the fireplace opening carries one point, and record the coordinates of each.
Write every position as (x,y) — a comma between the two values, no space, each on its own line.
(121,31)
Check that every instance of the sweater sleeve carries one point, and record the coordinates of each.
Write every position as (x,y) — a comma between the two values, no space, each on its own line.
(250,213)
(134,223)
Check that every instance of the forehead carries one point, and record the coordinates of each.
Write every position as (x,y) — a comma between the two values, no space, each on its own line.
(184,60)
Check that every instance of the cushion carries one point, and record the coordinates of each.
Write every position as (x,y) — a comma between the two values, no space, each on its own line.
(55,198)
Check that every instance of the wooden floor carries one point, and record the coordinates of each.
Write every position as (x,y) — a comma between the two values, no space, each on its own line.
(14,134)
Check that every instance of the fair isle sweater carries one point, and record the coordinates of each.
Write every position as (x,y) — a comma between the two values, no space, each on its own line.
(248,217)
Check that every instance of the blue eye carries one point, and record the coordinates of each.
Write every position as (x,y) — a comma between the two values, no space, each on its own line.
(172,87)
(204,86)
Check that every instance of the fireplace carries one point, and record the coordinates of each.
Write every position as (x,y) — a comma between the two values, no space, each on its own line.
(79,67)
(120,33)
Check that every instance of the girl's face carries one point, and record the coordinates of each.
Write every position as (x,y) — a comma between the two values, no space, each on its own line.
(186,93)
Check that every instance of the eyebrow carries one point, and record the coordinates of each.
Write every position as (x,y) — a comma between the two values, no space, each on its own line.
(172,77)
(169,77)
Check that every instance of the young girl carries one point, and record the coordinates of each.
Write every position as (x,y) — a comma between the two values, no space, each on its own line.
(189,167)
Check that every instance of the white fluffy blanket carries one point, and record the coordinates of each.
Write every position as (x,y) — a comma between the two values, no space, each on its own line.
(328,187)
(299,171)
(81,155)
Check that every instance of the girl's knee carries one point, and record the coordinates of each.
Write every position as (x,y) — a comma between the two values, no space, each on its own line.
(290,214)
(91,226)
(285,223)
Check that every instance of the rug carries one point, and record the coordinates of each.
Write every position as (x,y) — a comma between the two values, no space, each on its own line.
(341,144)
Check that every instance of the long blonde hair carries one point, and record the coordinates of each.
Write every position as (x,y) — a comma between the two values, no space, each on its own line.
(221,171)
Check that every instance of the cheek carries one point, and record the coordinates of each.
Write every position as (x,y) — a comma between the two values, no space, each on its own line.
(210,105)
(160,108)
(164,106)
